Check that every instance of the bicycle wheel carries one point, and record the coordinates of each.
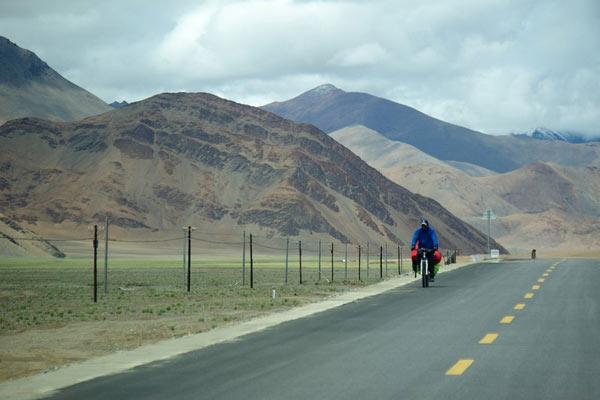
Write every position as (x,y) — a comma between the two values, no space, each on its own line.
(423,274)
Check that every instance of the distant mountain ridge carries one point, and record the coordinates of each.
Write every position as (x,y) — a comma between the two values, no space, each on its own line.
(192,158)
(330,109)
(541,133)
(30,88)
(119,104)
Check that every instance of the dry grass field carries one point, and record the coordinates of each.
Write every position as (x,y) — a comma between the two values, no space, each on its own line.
(48,317)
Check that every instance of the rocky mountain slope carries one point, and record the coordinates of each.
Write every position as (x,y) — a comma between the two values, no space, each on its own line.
(540,205)
(16,241)
(29,87)
(330,109)
(177,159)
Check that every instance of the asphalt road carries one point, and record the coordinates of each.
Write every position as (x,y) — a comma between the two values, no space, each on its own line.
(404,344)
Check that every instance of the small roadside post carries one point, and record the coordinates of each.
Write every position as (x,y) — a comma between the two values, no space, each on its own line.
(367,260)
(106,257)
(95,244)
(319,261)
(244,258)
(346,261)
(287,251)
(386,259)
(300,259)
(399,266)
(251,265)
(359,262)
(184,255)
(380,262)
(189,259)
(332,262)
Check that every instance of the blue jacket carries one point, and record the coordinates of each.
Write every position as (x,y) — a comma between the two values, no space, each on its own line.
(427,238)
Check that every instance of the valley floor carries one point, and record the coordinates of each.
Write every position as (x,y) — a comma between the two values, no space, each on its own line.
(48,317)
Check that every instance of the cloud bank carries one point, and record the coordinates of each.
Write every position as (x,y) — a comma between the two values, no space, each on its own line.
(497,66)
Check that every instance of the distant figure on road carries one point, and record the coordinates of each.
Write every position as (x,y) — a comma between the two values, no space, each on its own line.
(533,254)
(425,238)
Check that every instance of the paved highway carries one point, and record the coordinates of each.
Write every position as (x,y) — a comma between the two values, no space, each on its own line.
(514,330)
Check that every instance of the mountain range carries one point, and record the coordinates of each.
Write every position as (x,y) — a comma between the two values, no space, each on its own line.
(193,158)
(181,158)
(330,109)
(538,205)
(30,88)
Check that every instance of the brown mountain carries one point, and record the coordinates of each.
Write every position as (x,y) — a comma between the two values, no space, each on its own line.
(539,205)
(179,159)
(330,109)
(30,88)
(16,241)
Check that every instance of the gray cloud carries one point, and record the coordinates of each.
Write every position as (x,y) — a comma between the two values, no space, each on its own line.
(496,66)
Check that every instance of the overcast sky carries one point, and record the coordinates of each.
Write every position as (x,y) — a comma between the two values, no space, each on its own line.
(495,66)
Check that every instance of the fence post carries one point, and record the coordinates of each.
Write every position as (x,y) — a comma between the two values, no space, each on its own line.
(287,250)
(95,244)
(401,259)
(189,260)
(332,262)
(399,267)
(300,259)
(367,260)
(346,261)
(106,257)
(183,274)
(319,258)
(386,260)
(380,262)
(244,259)
(359,262)
(251,265)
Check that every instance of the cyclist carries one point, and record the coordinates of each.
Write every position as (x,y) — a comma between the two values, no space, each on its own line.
(426,238)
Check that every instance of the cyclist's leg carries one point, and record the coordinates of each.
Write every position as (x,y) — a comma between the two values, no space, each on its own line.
(431,262)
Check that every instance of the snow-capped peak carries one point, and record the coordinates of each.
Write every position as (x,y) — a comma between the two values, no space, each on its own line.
(548,134)
(323,89)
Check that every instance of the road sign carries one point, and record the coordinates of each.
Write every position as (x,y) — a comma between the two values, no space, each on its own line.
(488,214)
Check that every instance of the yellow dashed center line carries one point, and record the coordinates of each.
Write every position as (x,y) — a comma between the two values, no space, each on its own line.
(464,363)
(489,338)
(460,367)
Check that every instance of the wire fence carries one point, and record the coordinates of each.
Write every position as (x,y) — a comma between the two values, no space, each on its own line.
(189,260)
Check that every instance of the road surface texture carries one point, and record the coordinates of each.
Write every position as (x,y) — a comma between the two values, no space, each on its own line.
(453,340)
